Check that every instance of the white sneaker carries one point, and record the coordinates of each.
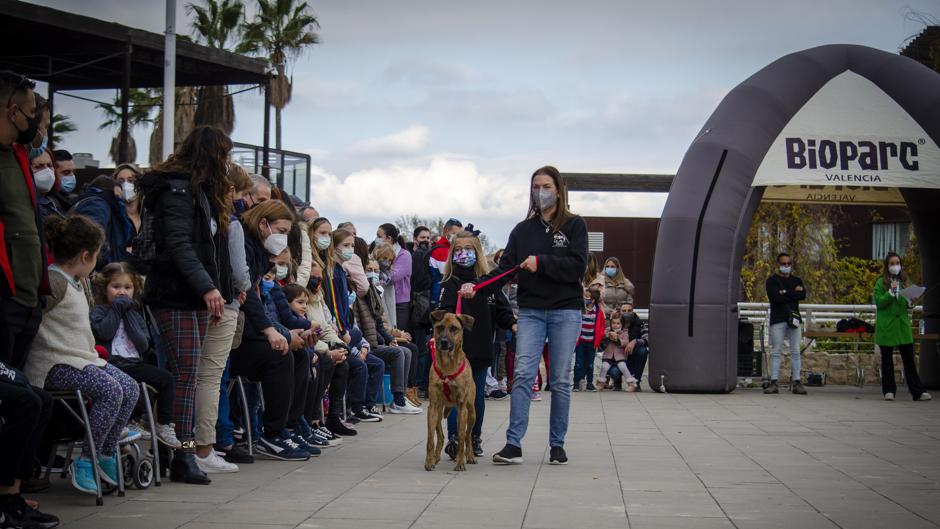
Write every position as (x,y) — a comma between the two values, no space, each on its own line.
(924,397)
(140,427)
(213,464)
(129,436)
(889,396)
(407,409)
(166,434)
(536,395)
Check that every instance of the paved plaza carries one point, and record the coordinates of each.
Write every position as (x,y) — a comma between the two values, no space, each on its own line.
(840,457)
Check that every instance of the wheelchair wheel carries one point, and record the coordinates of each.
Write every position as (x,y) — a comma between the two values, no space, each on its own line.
(129,463)
(143,473)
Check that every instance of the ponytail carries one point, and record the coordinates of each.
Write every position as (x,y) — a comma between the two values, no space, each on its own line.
(392,231)
(71,235)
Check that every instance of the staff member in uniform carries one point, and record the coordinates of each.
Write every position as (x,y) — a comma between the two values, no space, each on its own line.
(550,246)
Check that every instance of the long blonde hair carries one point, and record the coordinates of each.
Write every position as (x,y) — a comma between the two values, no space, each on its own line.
(332,259)
(619,279)
(481,267)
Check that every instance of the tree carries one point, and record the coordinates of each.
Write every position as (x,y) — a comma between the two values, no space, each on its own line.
(281,30)
(62,125)
(183,119)
(216,25)
(140,106)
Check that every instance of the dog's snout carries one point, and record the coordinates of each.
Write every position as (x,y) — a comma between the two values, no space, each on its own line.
(446,343)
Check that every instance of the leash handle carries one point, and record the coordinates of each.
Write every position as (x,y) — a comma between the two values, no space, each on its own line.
(488,282)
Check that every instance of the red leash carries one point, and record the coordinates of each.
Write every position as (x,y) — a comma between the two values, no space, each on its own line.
(447,379)
(489,281)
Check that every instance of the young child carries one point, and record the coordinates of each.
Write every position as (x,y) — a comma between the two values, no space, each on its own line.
(63,355)
(592,331)
(465,264)
(119,325)
(614,344)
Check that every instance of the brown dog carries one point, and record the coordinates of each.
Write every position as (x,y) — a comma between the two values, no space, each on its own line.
(450,386)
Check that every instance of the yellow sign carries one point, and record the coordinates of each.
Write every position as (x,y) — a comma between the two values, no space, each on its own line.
(842,195)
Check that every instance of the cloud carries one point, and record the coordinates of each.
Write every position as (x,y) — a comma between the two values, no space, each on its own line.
(490,105)
(410,141)
(427,72)
(315,93)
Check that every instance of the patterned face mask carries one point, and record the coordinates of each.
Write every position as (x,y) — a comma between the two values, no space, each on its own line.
(466,257)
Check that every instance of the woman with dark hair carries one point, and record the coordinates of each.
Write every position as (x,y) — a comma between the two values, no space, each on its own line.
(550,248)
(190,280)
(44,177)
(893,330)
(400,272)
(125,177)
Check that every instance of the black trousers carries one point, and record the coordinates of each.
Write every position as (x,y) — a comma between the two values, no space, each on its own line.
(888,385)
(300,375)
(256,361)
(160,379)
(19,328)
(25,412)
(333,376)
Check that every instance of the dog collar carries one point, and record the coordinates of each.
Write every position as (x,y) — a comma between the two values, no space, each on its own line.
(446,379)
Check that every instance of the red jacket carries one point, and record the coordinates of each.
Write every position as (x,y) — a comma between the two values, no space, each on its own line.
(600,326)
(441,250)
(21,155)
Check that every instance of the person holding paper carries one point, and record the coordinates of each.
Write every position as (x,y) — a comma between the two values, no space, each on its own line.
(893,330)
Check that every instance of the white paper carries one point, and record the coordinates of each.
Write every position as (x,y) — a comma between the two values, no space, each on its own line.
(912,292)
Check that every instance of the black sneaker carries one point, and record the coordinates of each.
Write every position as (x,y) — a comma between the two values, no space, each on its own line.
(374,411)
(557,456)
(323,435)
(477,447)
(797,388)
(364,416)
(236,455)
(58,464)
(304,445)
(772,388)
(17,513)
(509,455)
(451,448)
(498,395)
(281,448)
(336,427)
(351,418)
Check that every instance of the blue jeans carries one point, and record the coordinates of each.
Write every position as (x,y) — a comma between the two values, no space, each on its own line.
(479,380)
(365,379)
(224,429)
(584,354)
(636,362)
(777,333)
(561,328)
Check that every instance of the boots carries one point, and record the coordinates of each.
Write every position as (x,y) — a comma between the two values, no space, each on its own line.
(412,395)
(183,468)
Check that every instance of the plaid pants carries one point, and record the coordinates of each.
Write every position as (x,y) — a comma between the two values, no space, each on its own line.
(183,331)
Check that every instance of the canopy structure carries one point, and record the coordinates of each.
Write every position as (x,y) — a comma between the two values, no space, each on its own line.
(832,114)
(76,52)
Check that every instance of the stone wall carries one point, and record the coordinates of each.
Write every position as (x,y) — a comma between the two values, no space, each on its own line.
(840,368)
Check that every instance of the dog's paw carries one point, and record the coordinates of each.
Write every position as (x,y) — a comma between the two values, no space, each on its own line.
(428,467)
(460,467)
(471,461)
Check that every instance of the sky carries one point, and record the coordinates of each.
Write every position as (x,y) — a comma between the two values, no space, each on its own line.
(444,109)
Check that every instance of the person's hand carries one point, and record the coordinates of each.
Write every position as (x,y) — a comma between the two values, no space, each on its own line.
(121,303)
(393,343)
(337,355)
(310,337)
(894,284)
(346,338)
(531,264)
(242,297)
(630,346)
(214,302)
(467,291)
(296,340)
(405,336)
(799,288)
(314,359)
(276,340)
(783,292)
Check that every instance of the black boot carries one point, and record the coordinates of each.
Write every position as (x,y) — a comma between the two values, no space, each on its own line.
(184,469)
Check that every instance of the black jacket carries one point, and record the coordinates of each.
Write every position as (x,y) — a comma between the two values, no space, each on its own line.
(489,310)
(190,260)
(562,260)
(782,303)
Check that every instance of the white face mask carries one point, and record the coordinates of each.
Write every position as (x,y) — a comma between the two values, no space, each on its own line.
(786,269)
(275,243)
(345,254)
(895,269)
(281,271)
(129,191)
(323,242)
(44,179)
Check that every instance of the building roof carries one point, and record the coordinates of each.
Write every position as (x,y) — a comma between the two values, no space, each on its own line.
(925,47)
(79,52)
(651,183)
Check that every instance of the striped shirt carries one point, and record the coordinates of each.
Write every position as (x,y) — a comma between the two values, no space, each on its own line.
(587,325)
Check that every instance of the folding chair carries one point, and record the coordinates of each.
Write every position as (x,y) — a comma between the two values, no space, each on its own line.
(237,382)
(147,390)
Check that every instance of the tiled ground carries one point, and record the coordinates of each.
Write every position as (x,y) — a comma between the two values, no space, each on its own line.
(839,457)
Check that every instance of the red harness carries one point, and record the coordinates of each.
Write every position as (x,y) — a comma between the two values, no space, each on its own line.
(447,379)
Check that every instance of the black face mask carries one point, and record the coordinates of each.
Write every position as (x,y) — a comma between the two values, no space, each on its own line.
(314,284)
(424,245)
(25,137)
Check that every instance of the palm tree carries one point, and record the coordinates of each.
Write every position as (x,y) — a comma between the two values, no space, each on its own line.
(140,105)
(61,125)
(215,26)
(183,121)
(281,30)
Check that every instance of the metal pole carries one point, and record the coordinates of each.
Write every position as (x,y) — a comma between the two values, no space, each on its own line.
(266,144)
(169,80)
(125,135)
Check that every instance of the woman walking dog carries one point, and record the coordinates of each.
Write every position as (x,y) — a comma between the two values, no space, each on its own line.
(550,248)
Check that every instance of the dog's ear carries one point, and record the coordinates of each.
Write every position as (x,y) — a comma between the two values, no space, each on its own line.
(467,322)
(438,315)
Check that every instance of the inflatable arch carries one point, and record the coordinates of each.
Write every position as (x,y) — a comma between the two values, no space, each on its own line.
(838,114)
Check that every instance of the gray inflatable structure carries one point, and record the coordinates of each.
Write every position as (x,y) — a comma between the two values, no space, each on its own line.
(693,309)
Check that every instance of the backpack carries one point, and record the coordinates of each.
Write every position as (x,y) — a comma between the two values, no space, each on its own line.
(421,269)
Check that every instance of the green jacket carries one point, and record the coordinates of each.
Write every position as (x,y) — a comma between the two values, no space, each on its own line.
(893,322)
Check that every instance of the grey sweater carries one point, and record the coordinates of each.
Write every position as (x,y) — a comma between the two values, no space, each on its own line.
(241,278)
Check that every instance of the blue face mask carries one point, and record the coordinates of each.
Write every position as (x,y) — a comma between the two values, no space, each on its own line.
(36,152)
(372,276)
(67,183)
(352,298)
(610,271)
(465,258)
(266,286)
